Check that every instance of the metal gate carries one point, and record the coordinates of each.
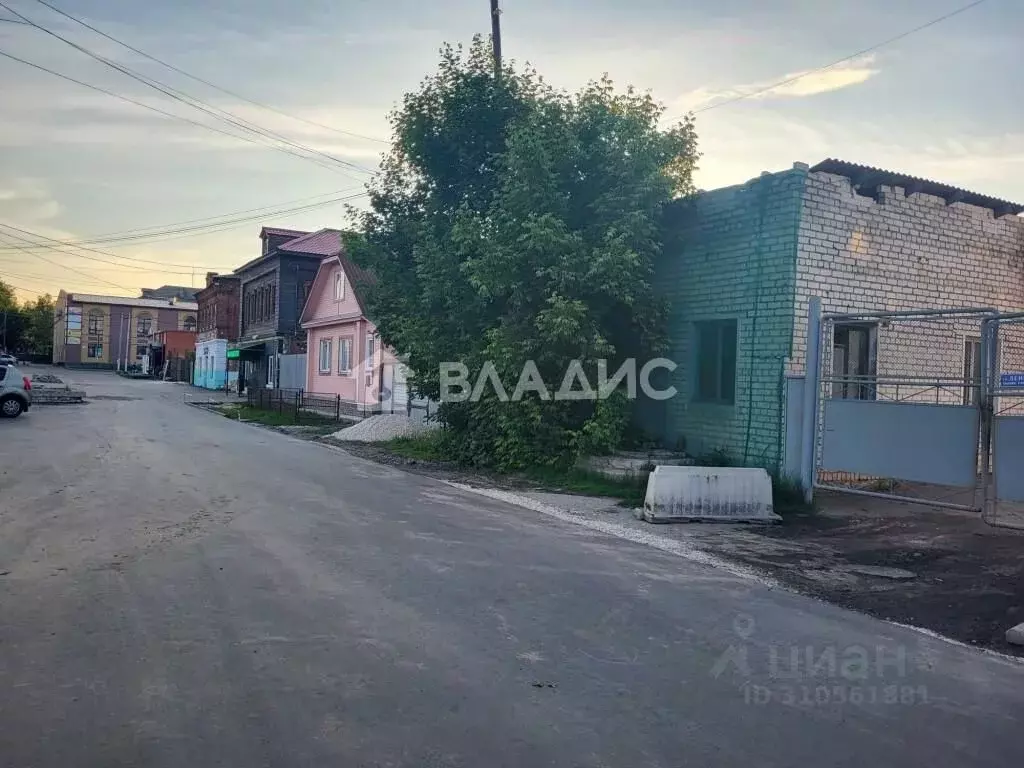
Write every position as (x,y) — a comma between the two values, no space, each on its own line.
(894,406)
(1003,420)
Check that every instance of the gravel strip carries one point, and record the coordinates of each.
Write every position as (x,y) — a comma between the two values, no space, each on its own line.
(379,429)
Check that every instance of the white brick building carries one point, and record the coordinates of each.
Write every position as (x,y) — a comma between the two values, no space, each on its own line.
(746,260)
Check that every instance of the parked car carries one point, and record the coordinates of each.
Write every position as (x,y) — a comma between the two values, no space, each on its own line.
(15,391)
(6,359)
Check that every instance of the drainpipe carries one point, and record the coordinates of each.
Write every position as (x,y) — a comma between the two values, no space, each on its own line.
(812,385)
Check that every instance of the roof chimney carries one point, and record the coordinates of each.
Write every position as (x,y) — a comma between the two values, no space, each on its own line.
(209,278)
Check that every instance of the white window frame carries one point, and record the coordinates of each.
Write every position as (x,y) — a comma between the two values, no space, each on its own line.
(370,350)
(343,343)
(325,347)
(339,286)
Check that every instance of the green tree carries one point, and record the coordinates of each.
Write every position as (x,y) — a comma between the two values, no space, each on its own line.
(514,222)
(12,320)
(7,298)
(39,314)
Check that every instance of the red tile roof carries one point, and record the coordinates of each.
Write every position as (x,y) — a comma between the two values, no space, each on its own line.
(326,242)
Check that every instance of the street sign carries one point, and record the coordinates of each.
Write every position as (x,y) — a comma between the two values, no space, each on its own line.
(1011,380)
(234,354)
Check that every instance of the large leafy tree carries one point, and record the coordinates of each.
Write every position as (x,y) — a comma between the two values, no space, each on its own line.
(513,222)
(39,326)
(27,328)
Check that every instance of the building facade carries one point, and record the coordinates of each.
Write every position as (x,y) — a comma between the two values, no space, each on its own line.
(345,357)
(218,325)
(94,331)
(742,264)
(273,290)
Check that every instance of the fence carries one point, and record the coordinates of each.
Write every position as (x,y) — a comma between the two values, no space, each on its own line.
(923,405)
(177,369)
(296,403)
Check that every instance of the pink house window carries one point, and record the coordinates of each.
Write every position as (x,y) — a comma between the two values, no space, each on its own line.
(371,345)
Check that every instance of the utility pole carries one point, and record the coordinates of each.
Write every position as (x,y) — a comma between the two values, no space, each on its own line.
(496,38)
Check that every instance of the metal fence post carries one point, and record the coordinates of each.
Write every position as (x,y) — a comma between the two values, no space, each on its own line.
(337,407)
(812,387)
(989,335)
(298,403)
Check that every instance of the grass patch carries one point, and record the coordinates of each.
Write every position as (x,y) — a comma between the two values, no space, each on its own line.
(788,497)
(285,418)
(424,447)
(630,488)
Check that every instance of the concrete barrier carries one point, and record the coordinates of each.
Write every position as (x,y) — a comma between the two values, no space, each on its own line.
(714,494)
(54,396)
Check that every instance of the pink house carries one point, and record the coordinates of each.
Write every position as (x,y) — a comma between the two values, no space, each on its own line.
(344,355)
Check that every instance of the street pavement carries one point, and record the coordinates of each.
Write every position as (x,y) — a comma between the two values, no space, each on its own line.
(183,590)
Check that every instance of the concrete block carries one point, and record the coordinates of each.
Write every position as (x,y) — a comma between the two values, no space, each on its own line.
(715,494)
(1015,635)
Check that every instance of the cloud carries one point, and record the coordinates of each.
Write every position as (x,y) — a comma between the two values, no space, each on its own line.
(794,85)
(27,199)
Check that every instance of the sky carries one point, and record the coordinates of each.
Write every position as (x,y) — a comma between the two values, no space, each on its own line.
(943,103)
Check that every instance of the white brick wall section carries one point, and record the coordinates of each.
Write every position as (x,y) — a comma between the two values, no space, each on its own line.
(906,253)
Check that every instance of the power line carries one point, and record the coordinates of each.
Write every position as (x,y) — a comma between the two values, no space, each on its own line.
(130,235)
(21,288)
(181,233)
(156,109)
(837,62)
(64,266)
(193,102)
(221,226)
(56,248)
(207,82)
(158,228)
(41,278)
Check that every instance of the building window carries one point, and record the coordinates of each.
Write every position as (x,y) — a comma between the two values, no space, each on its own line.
(972,370)
(272,309)
(854,361)
(190,323)
(95,322)
(345,355)
(371,346)
(95,351)
(141,350)
(716,361)
(325,355)
(339,285)
(144,325)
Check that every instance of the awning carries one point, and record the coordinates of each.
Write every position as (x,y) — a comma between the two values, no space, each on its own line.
(253,345)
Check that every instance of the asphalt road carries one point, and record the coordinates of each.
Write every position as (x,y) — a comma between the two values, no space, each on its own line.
(183,590)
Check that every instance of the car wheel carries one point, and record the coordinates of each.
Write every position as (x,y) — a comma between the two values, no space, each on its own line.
(10,407)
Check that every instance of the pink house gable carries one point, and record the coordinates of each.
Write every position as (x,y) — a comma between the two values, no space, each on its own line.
(334,319)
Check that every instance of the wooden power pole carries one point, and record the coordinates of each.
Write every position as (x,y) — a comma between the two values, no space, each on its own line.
(496,37)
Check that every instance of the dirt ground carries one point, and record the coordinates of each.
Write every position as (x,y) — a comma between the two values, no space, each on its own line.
(950,572)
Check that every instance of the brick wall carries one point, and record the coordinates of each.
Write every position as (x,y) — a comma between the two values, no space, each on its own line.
(904,253)
(732,256)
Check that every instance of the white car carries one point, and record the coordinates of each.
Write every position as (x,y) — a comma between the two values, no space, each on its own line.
(6,359)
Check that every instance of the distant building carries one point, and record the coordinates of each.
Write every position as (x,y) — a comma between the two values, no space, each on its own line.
(113,331)
(345,357)
(180,292)
(219,307)
(274,288)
